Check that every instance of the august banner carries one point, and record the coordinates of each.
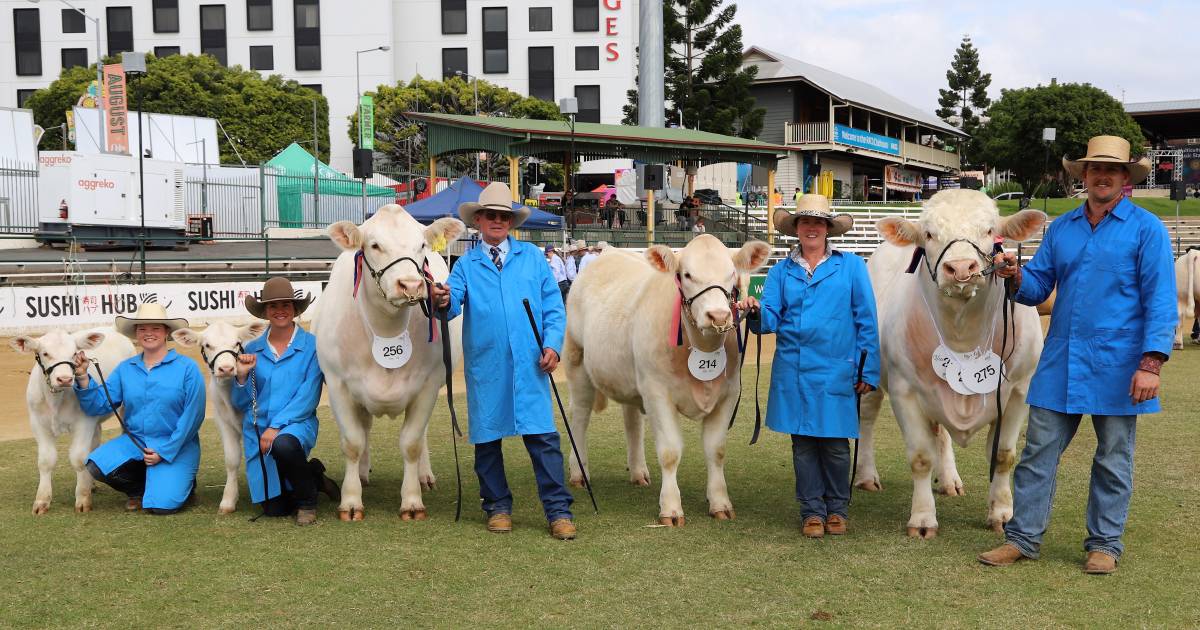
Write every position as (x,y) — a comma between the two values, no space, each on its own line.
(116,108)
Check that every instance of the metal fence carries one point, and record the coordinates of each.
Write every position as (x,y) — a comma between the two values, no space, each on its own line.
(18,196)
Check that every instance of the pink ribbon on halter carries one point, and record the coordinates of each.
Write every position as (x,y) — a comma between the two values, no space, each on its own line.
(358,261)
(677,315)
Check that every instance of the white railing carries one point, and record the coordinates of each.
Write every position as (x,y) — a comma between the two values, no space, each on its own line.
(930,155)
(806,133)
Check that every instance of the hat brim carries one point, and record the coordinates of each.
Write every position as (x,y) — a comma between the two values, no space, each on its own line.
(467,212)
(786,221)
(128,325)
(258,308)
(1138,170)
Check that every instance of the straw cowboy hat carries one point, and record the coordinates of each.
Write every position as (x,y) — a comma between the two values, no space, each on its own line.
(812,205)
(277,289)
(148,313)
(496,196)
(1109,150)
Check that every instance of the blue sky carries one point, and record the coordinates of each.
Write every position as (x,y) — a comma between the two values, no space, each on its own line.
(1148,49)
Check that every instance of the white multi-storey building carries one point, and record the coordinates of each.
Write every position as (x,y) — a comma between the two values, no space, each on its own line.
(544,48)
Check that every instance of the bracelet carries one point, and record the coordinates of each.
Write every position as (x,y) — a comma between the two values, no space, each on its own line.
(1150,364)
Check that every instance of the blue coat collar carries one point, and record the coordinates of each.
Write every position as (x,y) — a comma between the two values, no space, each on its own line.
(303,341)
(480,254)
(141,359)
(1120,211)
(824,270)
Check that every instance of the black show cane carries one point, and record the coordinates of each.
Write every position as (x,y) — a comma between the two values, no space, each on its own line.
(582,469)
(862,362)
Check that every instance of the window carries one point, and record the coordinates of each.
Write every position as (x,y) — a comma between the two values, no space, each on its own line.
(587,15)
(166,16)
(453,60)
(212,32)
(262,58)
(27,27)
(72,57)
(589,103)
(165,51)
(308,34)
(587,57)
(541,19)
(120,29)
(259,16)
(23,95)
(316,87)
(454,17)
(541,72)
(73,21)
(495,40)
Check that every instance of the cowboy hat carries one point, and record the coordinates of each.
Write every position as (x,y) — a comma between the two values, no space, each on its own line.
(812,205)
(148,313)
(277,289)
(496,196)
(1109,150)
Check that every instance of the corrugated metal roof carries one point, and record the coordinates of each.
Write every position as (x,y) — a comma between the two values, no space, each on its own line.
(841,86)
(1163,106)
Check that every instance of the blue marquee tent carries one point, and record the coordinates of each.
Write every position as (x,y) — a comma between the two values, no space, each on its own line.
(465,190)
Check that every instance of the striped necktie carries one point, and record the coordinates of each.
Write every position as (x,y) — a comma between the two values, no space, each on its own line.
(496,258)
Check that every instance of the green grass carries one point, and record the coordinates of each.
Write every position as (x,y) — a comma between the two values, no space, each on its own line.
(201,569)
(1158,205)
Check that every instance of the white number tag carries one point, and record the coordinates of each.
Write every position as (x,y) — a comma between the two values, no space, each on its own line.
(706,366)
(955,378)
(982,375)
(942,359)
(392,352)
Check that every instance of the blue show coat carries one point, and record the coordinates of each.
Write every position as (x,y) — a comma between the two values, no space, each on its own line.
(1116,301)
(288,390)
(507,393)
(822,325)
(163,408)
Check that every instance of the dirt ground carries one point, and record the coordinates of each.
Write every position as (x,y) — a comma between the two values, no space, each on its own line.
(14,376)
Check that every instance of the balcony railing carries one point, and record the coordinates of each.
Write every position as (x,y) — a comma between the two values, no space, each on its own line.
(818,133)
(806,133)
(929,155)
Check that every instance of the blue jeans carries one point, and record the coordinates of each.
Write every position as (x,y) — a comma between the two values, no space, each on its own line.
(1111,486)
(547,460)
(822,475)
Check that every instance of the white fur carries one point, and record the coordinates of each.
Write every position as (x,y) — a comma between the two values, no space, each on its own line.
(1187,293)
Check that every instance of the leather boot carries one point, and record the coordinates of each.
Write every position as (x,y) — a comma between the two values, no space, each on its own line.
(1001,556)
(1099,563)
(813,527)
(563,529)
(499,523)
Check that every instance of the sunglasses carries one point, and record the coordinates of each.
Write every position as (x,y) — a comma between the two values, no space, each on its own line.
(496,215)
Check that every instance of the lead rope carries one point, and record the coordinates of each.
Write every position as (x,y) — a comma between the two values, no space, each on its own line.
(262,457)
(1005,307)
(124,427)
(455,430)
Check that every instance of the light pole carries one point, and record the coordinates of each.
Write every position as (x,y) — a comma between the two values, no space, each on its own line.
(359,94)
(475,96)
(135,64)
(1048,136)
(99,73)
(570,107)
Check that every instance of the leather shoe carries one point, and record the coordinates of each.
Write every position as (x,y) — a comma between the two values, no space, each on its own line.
(563,529)
(499,523)
(1001,556)
(836,525)
(1099,563)
(813,527)
(133,504)
(306,516)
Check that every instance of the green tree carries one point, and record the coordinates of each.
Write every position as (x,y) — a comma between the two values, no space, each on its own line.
(705,82)
(1079,111)
(262,115)
(401,141)
(967,95)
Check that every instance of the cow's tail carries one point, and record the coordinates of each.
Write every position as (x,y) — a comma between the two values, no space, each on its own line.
(1193,261)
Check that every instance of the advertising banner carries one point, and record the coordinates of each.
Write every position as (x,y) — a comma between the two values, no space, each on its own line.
(366,121)
(901,179)
(865,140)
(116,108)
(39,308)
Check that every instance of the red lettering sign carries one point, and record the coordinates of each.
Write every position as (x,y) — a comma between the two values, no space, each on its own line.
(612,54)
(610,26)
(612,5)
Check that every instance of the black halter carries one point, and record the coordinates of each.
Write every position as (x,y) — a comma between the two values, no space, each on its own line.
(213,361)
(47,370)
(988,269)
(377,275)
(731,296)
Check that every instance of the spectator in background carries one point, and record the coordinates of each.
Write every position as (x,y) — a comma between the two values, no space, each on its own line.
(558,269)
(698,228)
(613,210)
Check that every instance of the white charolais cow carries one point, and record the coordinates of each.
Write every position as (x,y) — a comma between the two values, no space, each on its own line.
(54,409)
(358,334)
(1187,293)
(621,344)
(219,344)
(949,300)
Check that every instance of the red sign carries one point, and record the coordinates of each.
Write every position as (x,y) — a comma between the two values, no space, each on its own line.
(116,109)
(610,30)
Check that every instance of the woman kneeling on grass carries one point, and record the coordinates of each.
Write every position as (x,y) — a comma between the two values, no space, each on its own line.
(819,303)
(162,393)
(279,407)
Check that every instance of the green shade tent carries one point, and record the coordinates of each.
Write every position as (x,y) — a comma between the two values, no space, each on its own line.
(293,168)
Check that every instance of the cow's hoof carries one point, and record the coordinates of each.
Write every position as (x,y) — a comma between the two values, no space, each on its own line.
(996,526)
(364,481)
(352,514)
(869,485)
(671,521)
(226,509)
(640,479)
(82,508)
(414,514)
(428,483)
(924,533)
(1178,346)
(952,490)
(40,508)
(723,515)
(577,482)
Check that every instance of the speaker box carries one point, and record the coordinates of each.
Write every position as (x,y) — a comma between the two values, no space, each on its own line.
(364,163)
(654,177)
(1178,191)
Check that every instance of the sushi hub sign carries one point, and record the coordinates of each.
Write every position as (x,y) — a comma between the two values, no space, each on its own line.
(32,308)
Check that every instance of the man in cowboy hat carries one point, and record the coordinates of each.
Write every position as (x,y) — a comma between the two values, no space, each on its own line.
(559,270)
(574,253)
(507,388)
(1111,330)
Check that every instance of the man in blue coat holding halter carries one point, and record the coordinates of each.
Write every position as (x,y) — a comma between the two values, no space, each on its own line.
(508,392)
(1110,332)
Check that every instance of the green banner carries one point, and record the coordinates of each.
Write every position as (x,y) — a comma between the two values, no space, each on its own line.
(366,122)
(756,286)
